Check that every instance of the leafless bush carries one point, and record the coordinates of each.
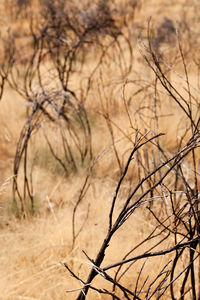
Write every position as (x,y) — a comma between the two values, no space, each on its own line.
(177,220)
(56,54)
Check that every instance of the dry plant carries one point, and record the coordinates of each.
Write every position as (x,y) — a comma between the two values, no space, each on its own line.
(162,177)
(60,37)
(73,48)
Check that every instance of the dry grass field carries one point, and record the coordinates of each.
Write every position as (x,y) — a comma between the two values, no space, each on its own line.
(76,101)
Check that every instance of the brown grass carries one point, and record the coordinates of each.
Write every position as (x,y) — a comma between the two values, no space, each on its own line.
(32,251)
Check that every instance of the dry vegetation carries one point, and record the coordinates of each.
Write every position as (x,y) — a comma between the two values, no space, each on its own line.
(99,153)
